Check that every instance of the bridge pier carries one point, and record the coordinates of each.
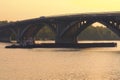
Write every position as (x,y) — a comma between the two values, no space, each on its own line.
(66,40)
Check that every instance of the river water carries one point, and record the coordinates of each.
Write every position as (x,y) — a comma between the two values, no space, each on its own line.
(60,63)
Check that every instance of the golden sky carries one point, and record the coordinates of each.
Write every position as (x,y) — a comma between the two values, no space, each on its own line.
(13,10)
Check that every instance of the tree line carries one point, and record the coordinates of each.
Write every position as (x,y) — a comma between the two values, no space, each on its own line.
(90,33)
(98,33)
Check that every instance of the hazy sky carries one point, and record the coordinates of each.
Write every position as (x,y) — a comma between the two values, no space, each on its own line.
(26,9)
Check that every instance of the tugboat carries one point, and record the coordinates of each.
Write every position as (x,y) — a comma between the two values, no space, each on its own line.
(23,44)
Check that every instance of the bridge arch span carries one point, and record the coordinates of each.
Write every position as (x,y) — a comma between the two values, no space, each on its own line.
(31,30)
(78,27)
(113,27)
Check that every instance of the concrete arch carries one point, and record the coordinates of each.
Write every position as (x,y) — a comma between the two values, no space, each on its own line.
(75,28)
(69,26)
(29,31)
(32,30)
(112,28)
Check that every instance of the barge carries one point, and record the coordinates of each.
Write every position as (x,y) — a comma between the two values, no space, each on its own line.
(54,45)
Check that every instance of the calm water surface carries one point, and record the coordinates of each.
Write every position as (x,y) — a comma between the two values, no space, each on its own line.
(60,63)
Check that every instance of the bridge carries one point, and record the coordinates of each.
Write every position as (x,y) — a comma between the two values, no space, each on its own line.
(65,27)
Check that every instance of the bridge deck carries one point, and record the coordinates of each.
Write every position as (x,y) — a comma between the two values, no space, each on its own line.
(43,18)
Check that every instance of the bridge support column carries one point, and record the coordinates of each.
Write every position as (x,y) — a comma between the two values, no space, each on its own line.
(65,40)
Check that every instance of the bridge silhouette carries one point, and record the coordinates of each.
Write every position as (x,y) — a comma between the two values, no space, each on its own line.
(66,28)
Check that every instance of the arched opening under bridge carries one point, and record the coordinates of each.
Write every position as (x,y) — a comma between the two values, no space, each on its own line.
(97,31)
(45,35)
(36,34)
(13,38)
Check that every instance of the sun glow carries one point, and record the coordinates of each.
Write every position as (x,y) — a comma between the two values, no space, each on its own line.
(97,24)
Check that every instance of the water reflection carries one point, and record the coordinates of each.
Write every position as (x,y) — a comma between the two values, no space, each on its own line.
(60,64)
(68,49)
